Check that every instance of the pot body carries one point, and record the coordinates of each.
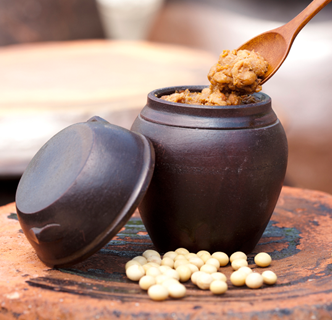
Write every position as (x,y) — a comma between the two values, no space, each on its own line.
(218,173)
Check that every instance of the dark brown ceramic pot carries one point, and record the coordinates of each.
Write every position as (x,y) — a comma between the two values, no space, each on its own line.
(218,174)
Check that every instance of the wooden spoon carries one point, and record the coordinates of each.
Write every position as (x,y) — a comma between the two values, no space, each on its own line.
(274,45)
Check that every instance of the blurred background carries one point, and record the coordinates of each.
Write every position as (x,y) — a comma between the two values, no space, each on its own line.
(63,61)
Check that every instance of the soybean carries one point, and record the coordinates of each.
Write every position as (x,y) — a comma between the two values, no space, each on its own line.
(269,277)
(146,282)
(192,267)
(246,270)
(237,255)
(161,278)
(201,252)
(190,255)
(158,292)
(221,257)
(263,259)
(177,290)
(170,254)
(153,271)
(254,280)
(164,268)
(148,253)
(180,262)
(169,282)
(184,273)
(208,268)
(204,280)
(140,259)
(197,261)
(238,263)
(218,287)
(172,274)
(179,257)
(195,275)
(149,265)
(155,259)
(205,257)
(218,276)
(130,263)
(214,262)
(135,272)
(167,261)
(182,251)
(238,278)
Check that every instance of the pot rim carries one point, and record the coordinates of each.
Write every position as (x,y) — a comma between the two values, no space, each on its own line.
(244,116)
(157,93)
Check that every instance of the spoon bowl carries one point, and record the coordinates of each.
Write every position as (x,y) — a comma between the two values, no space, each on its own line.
(274,45)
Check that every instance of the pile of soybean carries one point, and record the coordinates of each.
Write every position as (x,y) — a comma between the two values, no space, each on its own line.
(162,276)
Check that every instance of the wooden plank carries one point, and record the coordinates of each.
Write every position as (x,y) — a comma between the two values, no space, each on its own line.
(298,237)
(60,76)
(46,87)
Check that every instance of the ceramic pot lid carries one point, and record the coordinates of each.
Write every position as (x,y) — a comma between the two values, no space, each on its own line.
(81,188)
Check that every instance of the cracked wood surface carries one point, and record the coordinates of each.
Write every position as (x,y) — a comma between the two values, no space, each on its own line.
(298,237)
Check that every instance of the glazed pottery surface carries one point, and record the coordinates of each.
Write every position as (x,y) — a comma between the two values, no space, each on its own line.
(81,188)
(218,174)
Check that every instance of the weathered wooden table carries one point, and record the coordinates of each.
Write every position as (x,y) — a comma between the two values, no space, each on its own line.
(45,87)
(298,237)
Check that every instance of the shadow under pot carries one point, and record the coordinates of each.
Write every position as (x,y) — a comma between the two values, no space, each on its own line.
(218,174)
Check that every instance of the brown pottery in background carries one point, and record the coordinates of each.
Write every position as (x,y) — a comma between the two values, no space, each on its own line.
(218,174)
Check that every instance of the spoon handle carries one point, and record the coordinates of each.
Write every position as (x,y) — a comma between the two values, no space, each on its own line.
(291,29)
